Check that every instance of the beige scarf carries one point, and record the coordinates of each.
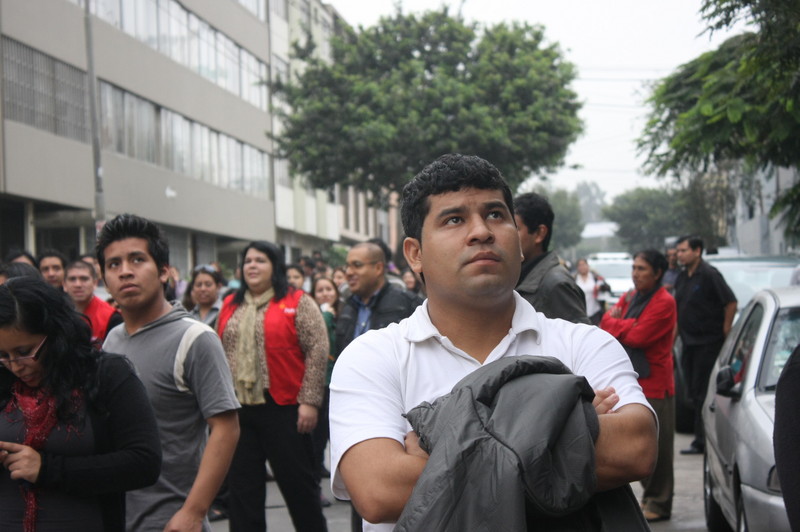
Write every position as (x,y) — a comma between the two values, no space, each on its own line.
(247,380)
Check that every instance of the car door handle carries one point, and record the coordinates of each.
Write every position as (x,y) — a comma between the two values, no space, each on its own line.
(712,406)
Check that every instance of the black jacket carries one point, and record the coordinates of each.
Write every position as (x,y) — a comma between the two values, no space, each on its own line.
(511,449)
(390,305)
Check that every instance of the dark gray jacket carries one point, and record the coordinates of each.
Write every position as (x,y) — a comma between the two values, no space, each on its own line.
(552,291)
(512,448)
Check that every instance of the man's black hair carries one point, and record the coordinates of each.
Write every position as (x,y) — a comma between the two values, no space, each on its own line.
(535,210)
(16,253)
(81,264)
(47,253)
(694,242)
(448,173)
(132,226)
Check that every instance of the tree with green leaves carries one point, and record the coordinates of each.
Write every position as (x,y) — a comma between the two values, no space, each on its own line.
(646,217)
(740,102)
(401,93)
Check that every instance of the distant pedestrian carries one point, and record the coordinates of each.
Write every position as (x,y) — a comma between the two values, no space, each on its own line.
(543,281)
(590,284)
(706,306)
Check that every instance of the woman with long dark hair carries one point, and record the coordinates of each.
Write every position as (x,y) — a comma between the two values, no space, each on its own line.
(643,320)
(204,293)
(277,346)
(76,427)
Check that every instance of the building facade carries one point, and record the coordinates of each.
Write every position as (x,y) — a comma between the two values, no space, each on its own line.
(183,122)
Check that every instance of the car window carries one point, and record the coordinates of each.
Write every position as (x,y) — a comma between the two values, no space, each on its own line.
(783,338)
(613,269)
(745,343)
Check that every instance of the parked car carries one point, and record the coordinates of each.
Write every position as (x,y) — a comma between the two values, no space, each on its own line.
(745,275)
(740,482)
(617,275)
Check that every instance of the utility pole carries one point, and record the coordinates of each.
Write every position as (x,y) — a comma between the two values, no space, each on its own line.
(99,197)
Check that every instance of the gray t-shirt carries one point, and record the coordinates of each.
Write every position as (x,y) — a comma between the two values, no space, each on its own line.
(183,367)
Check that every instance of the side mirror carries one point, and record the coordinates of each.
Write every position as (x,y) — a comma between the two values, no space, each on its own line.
(726,383)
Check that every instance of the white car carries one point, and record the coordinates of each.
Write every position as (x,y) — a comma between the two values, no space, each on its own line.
(617,275)
(740,482)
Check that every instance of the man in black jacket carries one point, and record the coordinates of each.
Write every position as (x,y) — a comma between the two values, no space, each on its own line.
(375,302)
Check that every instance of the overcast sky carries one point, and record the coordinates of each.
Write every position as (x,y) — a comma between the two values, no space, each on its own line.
(618,46)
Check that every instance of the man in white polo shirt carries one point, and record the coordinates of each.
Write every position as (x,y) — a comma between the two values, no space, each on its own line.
(461,238)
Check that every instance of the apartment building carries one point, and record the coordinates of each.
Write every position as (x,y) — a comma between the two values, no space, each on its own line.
(183,117)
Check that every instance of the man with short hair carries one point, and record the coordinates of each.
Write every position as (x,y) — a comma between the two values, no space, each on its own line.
(461,238)
(375,302)
(79,284)
(706,307)
(52,264)
(543,281)
(671,275)
(182,365)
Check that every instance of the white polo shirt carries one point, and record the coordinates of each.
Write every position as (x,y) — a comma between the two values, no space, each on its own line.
(384,373)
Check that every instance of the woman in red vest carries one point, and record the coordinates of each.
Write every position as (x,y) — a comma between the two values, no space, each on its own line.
(277,347)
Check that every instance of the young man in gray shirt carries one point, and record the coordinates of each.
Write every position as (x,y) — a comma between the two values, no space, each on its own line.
(183,367)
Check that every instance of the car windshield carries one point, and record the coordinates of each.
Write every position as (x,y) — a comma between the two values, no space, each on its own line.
(783,339)
(613,269)
(748,277)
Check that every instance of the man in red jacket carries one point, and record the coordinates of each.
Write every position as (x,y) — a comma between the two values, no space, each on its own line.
(79,283)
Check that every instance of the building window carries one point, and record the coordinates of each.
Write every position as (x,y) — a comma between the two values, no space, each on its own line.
(279,8)
(44,93)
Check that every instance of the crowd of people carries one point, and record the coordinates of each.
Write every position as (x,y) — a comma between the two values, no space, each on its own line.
(270,367)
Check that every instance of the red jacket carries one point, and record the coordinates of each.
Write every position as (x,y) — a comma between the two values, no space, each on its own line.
(653,332)
(285,360)
(99,313)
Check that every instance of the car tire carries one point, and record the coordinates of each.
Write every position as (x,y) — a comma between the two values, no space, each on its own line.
(715,520)
(741,518)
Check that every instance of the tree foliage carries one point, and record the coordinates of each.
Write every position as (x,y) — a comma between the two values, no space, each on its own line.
(738,102)
(646,217)
(411,88)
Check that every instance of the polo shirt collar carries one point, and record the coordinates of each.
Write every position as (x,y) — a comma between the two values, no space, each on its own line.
(525,319)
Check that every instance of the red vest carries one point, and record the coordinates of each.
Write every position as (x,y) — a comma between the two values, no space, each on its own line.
(285,361)
(98,312)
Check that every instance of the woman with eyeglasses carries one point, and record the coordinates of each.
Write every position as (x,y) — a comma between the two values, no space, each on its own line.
(277,347)
(76,427)
(204,291)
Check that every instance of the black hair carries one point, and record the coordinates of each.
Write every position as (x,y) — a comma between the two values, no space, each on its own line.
(656,260)
(132,226)
(693,241)
(535,210)
(47,253)
(295,266)
(448,173)
(16,253)
(208,270)
(69,360)
(82,264)
(279,282)
(20,269)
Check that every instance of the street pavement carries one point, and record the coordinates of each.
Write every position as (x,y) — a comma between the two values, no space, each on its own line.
(687,509)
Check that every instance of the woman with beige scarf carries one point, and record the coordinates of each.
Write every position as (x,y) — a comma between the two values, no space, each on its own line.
(277,347)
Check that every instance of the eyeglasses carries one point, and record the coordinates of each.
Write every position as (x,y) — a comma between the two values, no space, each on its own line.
(6,359)
(357,264)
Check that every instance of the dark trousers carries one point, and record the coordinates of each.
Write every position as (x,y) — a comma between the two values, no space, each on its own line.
(698,361)
(320,435)
(660,486)
(269,432)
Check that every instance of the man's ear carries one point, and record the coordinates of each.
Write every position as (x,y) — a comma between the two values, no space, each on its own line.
(164,274)
(541,234)
(412,250)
